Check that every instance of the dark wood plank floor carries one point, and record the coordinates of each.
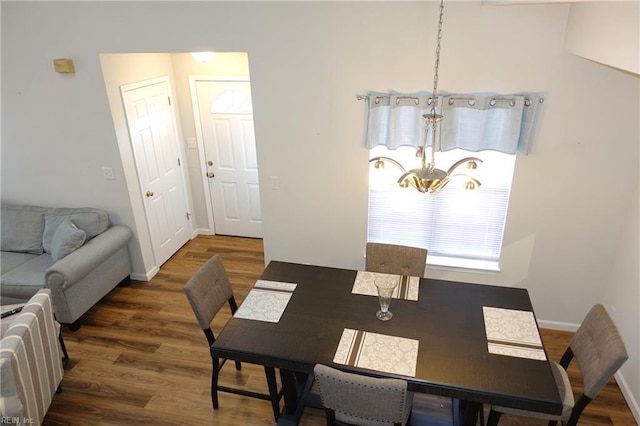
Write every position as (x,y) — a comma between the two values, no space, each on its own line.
(140,358)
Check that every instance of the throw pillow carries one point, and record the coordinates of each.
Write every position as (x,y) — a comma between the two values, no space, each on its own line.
(66,239)
(91,221)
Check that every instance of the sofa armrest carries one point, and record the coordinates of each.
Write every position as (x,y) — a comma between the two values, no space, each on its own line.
(74,267)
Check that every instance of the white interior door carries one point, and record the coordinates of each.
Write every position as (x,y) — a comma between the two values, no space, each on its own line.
(155,147)
(226,124)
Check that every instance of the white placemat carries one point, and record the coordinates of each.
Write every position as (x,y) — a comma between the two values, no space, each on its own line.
(380,352)
(513,333)
(407,286)
(266,301)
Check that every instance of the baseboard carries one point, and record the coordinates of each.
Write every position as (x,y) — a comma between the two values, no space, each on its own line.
(147,276)
(628,395)
(622,383)
(557,325)
(201,231)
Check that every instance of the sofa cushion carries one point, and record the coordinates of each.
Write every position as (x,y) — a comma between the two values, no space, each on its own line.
(9,260)
(67,239)
(22,228)
(91,221)
(25,280)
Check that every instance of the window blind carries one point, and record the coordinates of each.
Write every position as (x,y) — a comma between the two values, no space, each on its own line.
(452,223)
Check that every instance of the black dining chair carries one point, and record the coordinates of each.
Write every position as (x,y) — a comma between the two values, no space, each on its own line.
(600,352)
(396,259)
(207,291)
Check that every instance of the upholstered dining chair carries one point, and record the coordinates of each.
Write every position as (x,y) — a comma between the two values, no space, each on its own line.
(395,259)
(600,352)
(354,399)
(208,290)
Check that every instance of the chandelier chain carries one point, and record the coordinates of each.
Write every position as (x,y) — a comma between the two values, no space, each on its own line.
(433,122)
(437,64)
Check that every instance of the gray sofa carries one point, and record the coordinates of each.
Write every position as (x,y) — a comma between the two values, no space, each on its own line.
(76,253)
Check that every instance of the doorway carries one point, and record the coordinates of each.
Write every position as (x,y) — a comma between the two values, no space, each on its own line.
(223,117)
(152,130)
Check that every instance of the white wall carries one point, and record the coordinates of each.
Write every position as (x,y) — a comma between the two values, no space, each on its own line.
(570,198)
(621,295)
(594,27)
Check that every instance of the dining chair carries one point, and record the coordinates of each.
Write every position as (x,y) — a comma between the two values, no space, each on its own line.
(599,351)
(395,259)
(354,399)
(207,291)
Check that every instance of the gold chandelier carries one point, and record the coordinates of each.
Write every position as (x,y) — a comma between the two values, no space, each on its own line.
(428,178)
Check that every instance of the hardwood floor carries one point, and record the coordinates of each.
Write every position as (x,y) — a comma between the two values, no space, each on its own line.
(140,357)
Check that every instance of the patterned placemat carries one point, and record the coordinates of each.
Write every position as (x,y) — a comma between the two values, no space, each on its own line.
(266,301)
(513,333)
(380,352)
(407,286)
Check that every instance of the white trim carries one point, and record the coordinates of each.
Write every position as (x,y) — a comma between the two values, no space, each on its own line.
(448,263)
(202,231)
(146,276)
(557,325)
(634,406)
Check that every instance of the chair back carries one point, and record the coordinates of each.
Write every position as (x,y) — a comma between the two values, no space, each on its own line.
(30,364)
(599,350)
(208,290)
(395,259)
(361,400)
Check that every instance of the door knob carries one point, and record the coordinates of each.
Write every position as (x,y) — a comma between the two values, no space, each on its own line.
(211,175)
(149,194)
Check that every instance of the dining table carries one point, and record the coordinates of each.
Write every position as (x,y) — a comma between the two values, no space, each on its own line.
(477,344)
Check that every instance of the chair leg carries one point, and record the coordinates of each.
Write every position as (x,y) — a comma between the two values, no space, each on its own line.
(65,357)
(493,419)
(270,372)
(581,404)
(74,326)
(214,382)
(238,365)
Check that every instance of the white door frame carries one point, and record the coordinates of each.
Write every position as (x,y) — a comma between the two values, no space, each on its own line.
(200,139)
(132,86)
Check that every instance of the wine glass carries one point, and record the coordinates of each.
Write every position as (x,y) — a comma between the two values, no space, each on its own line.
(385,287)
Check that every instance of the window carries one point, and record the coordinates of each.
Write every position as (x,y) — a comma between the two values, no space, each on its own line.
(460,228)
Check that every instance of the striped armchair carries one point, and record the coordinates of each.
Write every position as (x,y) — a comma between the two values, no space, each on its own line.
(30,362)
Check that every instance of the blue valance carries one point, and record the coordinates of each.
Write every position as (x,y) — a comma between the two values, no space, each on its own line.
(473,122)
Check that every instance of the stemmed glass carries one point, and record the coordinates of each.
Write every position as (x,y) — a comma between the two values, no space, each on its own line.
(385,287)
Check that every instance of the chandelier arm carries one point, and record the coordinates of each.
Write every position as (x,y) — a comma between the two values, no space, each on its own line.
(461,162)
(440,184)
(390,160)
(406,177)
(471,178)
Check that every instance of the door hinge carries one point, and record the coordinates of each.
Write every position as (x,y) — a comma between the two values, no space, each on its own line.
(188,216)
(169,99)
(179,163)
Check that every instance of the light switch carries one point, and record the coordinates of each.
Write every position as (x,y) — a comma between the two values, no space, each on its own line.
(275,182)
(191,143)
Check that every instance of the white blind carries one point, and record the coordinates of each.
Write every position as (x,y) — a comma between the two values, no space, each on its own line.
(453,222)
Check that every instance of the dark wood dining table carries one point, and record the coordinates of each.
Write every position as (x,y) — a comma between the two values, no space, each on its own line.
(447,320)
